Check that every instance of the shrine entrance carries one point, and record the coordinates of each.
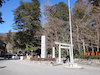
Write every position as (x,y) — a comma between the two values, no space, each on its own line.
(61,46)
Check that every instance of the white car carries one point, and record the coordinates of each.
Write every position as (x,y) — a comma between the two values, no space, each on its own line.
(15,56)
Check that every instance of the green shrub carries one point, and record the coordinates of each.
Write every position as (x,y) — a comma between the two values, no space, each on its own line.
(87,57)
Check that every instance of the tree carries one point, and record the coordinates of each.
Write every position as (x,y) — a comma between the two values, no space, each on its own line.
(1,2)
(2,43)
(9,37)
(1,21)
(19,42)
(27,22)
(56,28)
(95,19)
(59,11)
(9,41)
(2,47)
(95,2)
(81,24)
(27,16)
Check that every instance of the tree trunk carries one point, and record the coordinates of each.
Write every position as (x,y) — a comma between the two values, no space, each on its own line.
(98,35)
(84,46)
(92,49)
(78,39)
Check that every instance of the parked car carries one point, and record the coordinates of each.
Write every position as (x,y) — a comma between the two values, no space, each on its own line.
(7,56)
(15,56)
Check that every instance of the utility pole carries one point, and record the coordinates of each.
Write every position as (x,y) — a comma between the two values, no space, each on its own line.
(71,48)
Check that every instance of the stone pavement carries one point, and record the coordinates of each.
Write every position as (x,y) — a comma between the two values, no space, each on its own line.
(23,67)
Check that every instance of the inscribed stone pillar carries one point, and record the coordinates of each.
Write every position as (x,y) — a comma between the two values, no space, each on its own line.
(43,46)
(53,52)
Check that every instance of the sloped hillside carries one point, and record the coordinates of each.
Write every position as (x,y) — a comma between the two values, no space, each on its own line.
(2,36)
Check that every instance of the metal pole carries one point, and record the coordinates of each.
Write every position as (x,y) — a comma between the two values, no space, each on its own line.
(71,49)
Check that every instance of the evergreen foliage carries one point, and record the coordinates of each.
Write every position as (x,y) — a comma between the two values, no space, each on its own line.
(27,22)
(59,11)
(27,16)
(1,21)
(1,2)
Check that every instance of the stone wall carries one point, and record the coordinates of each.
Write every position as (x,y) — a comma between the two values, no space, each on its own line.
(92,62)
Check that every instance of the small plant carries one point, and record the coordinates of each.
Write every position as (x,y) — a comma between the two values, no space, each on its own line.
(87,57)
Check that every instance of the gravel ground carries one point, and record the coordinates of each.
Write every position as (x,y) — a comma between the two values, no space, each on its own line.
(23,67)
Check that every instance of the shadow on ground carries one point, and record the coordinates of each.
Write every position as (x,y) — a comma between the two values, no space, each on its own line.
(1,67)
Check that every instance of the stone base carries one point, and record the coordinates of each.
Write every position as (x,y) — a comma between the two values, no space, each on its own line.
(72,65)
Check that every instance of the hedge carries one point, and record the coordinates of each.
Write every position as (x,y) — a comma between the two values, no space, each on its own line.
(88,57)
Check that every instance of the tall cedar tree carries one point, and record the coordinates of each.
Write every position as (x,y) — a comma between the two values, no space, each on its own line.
(27,22)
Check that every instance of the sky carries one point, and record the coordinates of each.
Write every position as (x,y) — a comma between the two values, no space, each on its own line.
(9,6)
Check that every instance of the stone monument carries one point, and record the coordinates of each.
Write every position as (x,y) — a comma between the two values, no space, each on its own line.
(53,52)
(43,46)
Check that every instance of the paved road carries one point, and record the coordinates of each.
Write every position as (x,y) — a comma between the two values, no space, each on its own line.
(18,67)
